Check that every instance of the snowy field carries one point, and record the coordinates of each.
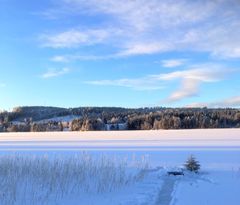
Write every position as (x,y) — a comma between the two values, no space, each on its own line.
(120,168)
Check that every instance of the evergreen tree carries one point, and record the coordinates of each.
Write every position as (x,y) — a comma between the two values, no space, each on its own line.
(192,164)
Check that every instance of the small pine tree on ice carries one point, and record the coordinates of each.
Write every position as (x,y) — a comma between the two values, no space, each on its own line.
(192,164)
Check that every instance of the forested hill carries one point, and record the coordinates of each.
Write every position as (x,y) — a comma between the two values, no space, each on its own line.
(39,118)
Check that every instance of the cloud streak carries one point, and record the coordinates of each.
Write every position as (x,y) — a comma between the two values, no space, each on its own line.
(144,27)
(55,73)
(223,103)
(141,84)
(171,63)
(188,88)
(144,48)
(76,57)
(73,38)
(190,79)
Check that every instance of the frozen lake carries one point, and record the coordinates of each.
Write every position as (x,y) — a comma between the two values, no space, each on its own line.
(217,150)
(123,140)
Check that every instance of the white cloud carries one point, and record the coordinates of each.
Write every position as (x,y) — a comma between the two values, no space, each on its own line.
(221,40)
(141,84)
(73,38)
(190,79)
(144,48)
(142,14)
(205,26)
(128,50)
(75,57)
(223,103)
(170,63)
(55,72)
(230,102)
(60,58)
(203,73)
(188,88)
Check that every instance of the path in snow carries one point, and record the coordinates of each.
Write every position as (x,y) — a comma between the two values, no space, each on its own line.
(165,194)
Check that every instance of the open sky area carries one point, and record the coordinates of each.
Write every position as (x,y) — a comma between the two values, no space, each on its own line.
(128,53)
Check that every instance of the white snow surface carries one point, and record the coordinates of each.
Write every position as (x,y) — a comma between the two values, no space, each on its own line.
(213,187)
(153,139)
(217,150)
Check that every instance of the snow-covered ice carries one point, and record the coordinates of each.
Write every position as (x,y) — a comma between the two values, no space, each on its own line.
(122,140)
(218,151)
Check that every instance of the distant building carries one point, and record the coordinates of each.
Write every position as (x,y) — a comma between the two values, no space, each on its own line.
(116,126)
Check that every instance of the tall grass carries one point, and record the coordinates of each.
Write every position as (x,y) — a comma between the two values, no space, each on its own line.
(26,179)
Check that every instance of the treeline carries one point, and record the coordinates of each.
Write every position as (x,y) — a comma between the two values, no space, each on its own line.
(32,127)
(36,113)
(97,118)
(186,119)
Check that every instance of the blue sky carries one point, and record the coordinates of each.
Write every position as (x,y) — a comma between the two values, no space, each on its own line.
(137,53)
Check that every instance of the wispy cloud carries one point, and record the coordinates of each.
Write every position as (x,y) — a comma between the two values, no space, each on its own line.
(142,14)
(204,73)
(73,38)
(55,72)
(188,88)
(229,102)
(169,25)
(190,79)
(76,57)
(144,48)
(223,103)
(141,84)
(60,58)
(128,50)
(170,63)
